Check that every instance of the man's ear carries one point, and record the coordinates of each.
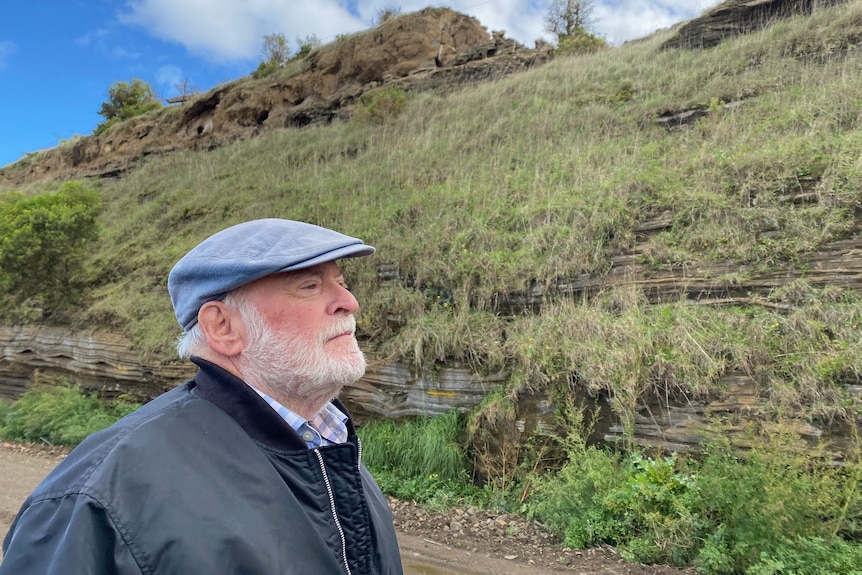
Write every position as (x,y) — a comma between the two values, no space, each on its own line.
(223,328)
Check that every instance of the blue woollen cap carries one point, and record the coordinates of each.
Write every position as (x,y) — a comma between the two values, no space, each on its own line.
(245,252)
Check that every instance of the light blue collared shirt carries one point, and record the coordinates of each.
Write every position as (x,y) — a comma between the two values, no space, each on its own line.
(327,427)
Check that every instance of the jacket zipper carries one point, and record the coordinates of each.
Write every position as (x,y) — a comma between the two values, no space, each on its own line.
(333,510)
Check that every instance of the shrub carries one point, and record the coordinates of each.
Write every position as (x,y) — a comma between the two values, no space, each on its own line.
(386,14)
(773,506)
(654,505)
(378,106)
(306,45)
(582,42)
(265,69)
(570,501)
(43,240)
(768,510)
(127,100)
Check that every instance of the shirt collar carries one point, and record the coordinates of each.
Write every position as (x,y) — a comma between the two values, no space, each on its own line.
(327,427)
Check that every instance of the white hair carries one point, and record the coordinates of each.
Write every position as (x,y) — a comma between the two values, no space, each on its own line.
(192,342)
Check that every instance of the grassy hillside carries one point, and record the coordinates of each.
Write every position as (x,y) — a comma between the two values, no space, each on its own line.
(517,185)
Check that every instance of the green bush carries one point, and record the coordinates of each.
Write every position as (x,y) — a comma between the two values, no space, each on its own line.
(127,100)
(773,505)
(571,501)
(43,240)
(306,45)
(768,510)
(810,556)
(655,505)
(380,105)
(61,415)
(581,42)
(265,69)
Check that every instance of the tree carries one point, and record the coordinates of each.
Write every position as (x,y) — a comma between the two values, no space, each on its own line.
(275,52)
(127,100)
(570,22)
(386,14)
(185,88)
(43,241)
(568,17)
(276,49)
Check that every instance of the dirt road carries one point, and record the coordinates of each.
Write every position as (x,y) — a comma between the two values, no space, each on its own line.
(423,552)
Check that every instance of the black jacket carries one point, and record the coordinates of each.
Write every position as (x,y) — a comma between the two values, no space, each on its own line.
(205,479)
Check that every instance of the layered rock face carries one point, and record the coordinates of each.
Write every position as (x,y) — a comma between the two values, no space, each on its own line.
(736,17)
(94,360)
(106,363)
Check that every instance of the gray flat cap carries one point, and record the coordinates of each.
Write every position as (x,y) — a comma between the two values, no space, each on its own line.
(245,252)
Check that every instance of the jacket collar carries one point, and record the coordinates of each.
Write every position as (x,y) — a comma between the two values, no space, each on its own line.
(233,396)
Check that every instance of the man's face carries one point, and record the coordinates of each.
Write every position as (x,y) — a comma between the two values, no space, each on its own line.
(300,334)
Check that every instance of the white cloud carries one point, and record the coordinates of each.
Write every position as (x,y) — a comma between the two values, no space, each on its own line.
(7,48)
(621,20)
(168,77)
(228,30)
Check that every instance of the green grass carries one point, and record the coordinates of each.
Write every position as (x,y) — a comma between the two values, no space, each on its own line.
(58,415)
(420,459)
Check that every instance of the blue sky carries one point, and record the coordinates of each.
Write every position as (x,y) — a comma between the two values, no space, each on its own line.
(59,57)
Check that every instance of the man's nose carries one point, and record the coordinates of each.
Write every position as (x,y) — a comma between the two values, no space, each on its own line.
(345,301)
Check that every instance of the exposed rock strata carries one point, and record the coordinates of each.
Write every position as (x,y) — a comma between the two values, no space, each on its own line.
(737,17)
(105,363)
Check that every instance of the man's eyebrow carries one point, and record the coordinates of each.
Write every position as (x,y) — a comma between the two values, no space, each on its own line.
(306,273)
(319,273)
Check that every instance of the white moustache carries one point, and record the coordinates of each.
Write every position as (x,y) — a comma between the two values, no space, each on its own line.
(340,326)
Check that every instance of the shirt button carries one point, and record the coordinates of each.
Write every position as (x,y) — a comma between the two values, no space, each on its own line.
(307,435)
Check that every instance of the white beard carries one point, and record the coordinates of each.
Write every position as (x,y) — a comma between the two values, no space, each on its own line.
(295,368)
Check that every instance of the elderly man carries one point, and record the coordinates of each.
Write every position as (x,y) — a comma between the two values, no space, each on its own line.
(253,466)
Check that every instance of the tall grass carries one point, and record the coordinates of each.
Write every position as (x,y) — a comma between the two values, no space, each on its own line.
(421,459)
(58,415)
(420,446)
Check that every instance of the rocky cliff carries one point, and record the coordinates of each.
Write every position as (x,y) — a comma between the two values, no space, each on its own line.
(435,49)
